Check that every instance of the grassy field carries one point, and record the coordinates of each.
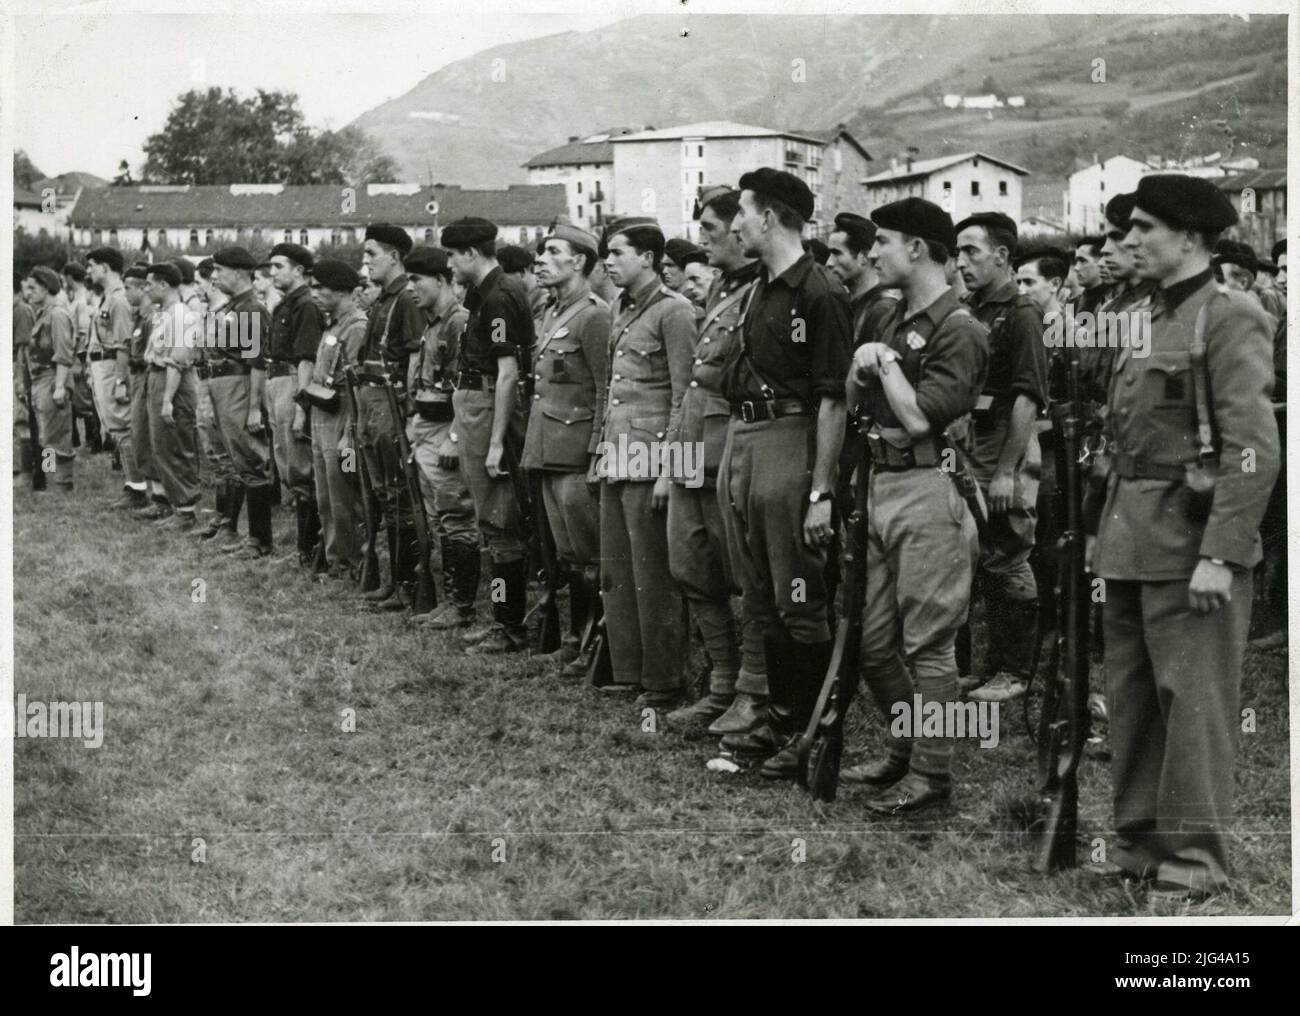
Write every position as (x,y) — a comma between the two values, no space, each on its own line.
(227,790)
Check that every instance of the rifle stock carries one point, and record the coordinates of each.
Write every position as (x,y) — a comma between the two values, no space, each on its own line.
(536,529)
(33,427)
(424,597)
(369,505)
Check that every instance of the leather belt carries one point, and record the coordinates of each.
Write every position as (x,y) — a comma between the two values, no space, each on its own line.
(96,357)
(1128,466)
(475,380)
(139,368)
(924,454)
(770,409)
(381,380)
(203,370)
(227,369)
(280,369)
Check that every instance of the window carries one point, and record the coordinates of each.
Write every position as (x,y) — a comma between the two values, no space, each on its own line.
(96,237)
(580,211)
(699,151)
(208,237)
(304,238)
(579,186)
(288,236)
(112,237)
(947,187)
(257,234)
(162,238)
(539,234)
(194,237)
(350,235)
(1103,186)
(335,237)
(701,177)
(1002,188)
(523,236)
(974,188)
(428,235)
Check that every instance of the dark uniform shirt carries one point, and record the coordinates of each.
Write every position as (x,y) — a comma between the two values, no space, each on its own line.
(439,348)
(140,335)
(395,326)
(797,338)
(243,328)
(295,328)
(1017,355)
(500,323)
(340,347)
(53,340)
(871,311)
(944,353)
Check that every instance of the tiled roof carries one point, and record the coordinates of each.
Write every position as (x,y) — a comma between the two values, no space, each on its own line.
(591,148)
(924,167)
(26,199)
(712,129)
(519,205)
(1260,179)
(829,134)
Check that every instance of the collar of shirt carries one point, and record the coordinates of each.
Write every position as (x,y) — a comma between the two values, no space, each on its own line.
(395,286)
(299,293)
(939,309)
(113,287)
(794,276)
(871,294)
(489,280)
(1005,293)
(355,314)
(557,308)
(730,281)
(634,299)
(1180,291)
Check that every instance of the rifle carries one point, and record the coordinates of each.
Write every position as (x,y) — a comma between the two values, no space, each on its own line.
(369,504)
(822,744)
(33,427)
(1064,721)
(423,598)
(600,670)
(537,534)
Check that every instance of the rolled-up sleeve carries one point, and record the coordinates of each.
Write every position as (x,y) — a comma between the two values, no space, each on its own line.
(63,337)
(1028,355)
(306,331)
(831,322)
(954,372)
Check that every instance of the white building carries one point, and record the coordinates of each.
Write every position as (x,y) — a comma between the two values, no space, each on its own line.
(44,211)
(1091,187)
(585,168)
(961,184)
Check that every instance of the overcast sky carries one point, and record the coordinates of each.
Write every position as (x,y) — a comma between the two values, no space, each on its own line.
(92,83)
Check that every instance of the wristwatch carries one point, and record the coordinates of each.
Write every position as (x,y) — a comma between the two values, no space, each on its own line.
(818,496)
(889,356)
(1218,560)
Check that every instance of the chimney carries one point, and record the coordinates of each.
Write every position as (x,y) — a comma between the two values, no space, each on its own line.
(573,138)
(893,163)
(909,162)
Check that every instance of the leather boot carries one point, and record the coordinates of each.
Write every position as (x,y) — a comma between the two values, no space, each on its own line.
(260,541)
(583,585)
(807,663)
(385,589)
(460,567)
(747,712)
(222,494)
(771,736)
(508,634)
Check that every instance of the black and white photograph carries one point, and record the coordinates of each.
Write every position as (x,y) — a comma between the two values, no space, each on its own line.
(647,462)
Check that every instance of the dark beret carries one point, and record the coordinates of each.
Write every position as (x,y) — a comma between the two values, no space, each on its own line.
(682,253)
(989,220)
(1269,267)
(919,218)
(1119,210)
(186,267)
(780,186)
(468,232)
(295,253)
(110,256)
(48,278)
(426,261)
(861,229)
(1230,252)
(166,271)
(820,252)
(235,257)
(205,268)
(1185,202)
(514,259)
(335,275)
(137,272)
(578,239)
(394,236)
(1278,250)
(74,271)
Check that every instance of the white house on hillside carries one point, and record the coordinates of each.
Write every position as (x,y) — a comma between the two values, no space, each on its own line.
(961,184)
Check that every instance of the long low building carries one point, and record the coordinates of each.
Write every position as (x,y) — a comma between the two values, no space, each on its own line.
(192,218)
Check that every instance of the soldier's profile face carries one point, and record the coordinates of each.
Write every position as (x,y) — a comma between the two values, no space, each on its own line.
(977,260)
(673,276)
(461,262)
(623,262)
(555,264)
(1117,258)
(134,291)
(281,272)
(1157,249)
(1086,268)
(844,264)
(424,288)
(697,278)
(889,255)
(748,225)
(1029,280)
(323,297)
(717,239)
(1238,278)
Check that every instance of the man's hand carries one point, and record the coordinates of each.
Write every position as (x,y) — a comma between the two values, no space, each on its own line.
(168,413)
(1089,551)
(59,395)
(299,425)
(866,359)
(817,530)
(1210,587)
(1002,489)
(255,425)
(345,444)
(121,391)
(448,454)
(493,461)
(659,496)
(594,477)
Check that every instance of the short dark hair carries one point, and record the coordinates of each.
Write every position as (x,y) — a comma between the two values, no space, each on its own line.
(488,248)
(938,252)
(645,238)
(785,215)
(1049,266)
(74,271)
(1095,242)
(725,205)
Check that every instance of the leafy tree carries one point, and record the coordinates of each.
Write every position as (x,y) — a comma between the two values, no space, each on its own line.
(123,178)
(25,174)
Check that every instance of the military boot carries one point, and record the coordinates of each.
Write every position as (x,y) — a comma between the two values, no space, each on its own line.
(807,663)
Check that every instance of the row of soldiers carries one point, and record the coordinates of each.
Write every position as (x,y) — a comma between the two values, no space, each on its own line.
(679,448)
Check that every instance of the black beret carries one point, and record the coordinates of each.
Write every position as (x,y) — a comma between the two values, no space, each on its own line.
(1278,250)
(1119,210)
(820,252)
(294,252)
(919,218)
(186,267)
(335,275)
(514,259)
(166,271)
(75,271)
(780,186)
(682,253)
(110,256)
(235,257)
(1230,252)
(137,272)
(426,261)
(394,236)
(858,227)
(205,268)
(1185,202)
(989,220)
(468,232)
(48,278)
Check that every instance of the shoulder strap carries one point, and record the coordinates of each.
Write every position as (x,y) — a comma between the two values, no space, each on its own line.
(388,323)
(569,314)
(1201,383)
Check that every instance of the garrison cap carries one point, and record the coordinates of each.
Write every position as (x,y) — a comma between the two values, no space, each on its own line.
(780,186)
(140,272)
(710,194)
(48,278)
(514,258)
(857,227)
(919,218)
(617,226)
(166,271)
(75,271)
(1185,202)
(1119,210)
(186,267)
(682,253)
(335,275)
(235,257)
(1278,250)
(296,253)
(428,261)
(110,256)
(1230,252)
(468,232)
(578,239)
(394,236)
(989,220)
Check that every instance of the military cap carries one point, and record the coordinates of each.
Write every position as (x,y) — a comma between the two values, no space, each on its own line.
(186,267)
(514,259)
(578,239)
(1269,267)
(235,257)
(857,227)
(1278,250)
(136,272)
(919,218)
(779,185)
(74,271)
(468,232)
(426,261)
(335,275)
(166,271)
(1185,202)
(296,253)
(110,256)
(1119,210)
(631,222)
(682,253)
(48,278)
(819,251)
(205,268)
(1230,252)
(989,220)
(711,193)
(394,236)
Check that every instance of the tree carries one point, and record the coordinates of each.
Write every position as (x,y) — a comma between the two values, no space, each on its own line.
(216,137)
(25,174)
(123,178)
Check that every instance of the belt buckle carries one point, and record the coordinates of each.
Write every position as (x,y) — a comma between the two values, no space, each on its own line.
(747,412)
